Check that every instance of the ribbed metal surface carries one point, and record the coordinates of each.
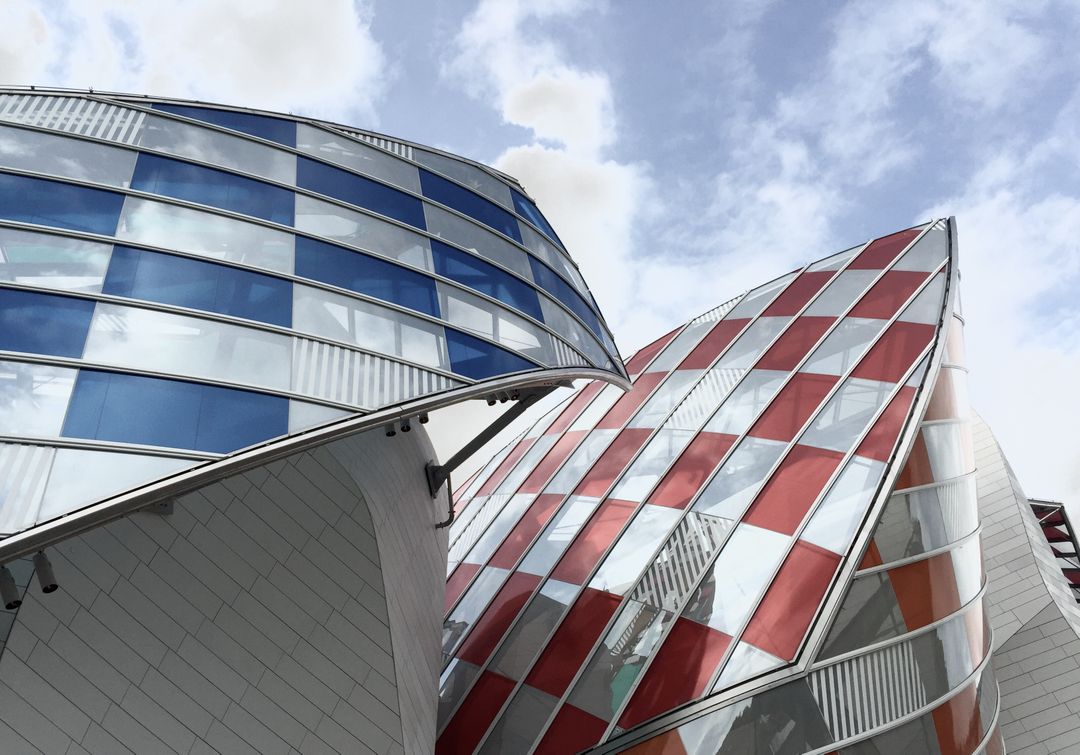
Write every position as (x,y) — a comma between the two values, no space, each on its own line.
(24,470)
(717,313)
(74,115)
(404,150)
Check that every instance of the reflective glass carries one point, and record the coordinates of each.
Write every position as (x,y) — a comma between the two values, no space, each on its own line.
(555,258)
(40,259)
(213,187)
(33,398)
(841,349)
(745,351)
(665,398)
(739,576)
(643,474)
(477,238)
(735,485)
(560,321)
(847,414)
(43,323)
(680,346)
(304,414)
(366,232)
(575,467)
(475,315)
(369,326)
(190,346)
(927,253)
(530,212)
(949,399)
(598,408)
(528,463)
(484,277)
(745,402)
(205,234)
(79,477)
(834,262)
(359,191)
(499,527)
(467,203)
(949,446)
(209,146)
(634,550)
(833,524)
(472,176)
(700,403)
(365,274)
(83,160)
(521,722)
(354,154)
(471,357)
(927,519)
(266,127)
(745,661)
(558,534)
(187,282)
(527,637)
(927,305)
(456,680)
(173,413)
(753,302)
(51,203)
(842,291)
(467,610)
(550,281)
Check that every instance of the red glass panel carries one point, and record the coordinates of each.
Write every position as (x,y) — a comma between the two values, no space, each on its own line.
(497,617)
(926,590)
(885,297)
(798,292)
(645,354)
(554,458)
(574,408)
(958,723)
(879,441)
(691,469)
(916,469)
(594,538)
(475,714)
(572,641)
(612,462)
(872,557)
(628,403)
(788,495)
(505,466)
(680,672)
(794,343)
(895,352)
(883,251)
(573,730)
(525,530)
(715,341)
(789,411)
(457,583)
(785,613)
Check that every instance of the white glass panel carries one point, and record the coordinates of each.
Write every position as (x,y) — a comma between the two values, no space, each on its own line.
(927,254)
(597,408)
(207,145)
(303,414)
(949,447)
(700,403)
(665,398)
(738,578)
(369,326)
(468,234)
(745,661)
(498,529)
(843,347)
(41,259)
(745,351)
(468,609)
(662,449)
(556,318)
(843,291)
(756,300)
(352,153)
(81,477)
(351,228)
(847,414)
(34,398)
(734,486)
(835,262)
(834,522)
(748,399)
(556,259)
(967,565)
(558,534)
(916,378)
(158,224)
(65,156)
(527,464)
(190,346)
(470,175)
(583,457)
(475,315)
(680,346)
(927,306)
(635,548)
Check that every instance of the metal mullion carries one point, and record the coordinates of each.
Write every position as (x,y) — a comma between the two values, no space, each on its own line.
(929,485)
(981,749)
(110,445)
(919,556)
(825,400)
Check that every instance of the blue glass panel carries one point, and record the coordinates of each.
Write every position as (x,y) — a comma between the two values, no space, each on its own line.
(479,359)
(553,283)
(486,278)
(532,213)
(272,129)
(60,205)
(468,203)
(209,186)
(359,191)
(43,323)
(174,413)
(366,275)
(185,282)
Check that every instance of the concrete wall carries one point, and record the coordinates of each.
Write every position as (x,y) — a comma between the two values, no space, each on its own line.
(282,610)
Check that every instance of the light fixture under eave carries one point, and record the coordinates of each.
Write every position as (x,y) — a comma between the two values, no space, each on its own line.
(43,569)
(9,593)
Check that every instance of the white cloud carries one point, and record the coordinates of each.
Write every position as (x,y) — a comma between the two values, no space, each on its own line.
(318,58)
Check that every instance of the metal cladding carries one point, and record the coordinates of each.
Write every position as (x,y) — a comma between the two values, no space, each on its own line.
(771,543)
(181,281)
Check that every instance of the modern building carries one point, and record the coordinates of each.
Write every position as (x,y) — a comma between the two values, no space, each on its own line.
(221,333)
(770,544)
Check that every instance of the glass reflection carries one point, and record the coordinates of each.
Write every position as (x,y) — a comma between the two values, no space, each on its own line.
(345,226)
(843,347)
(33,398)
(643,474)
(737,482)
(624,564)
(558,534)
(40,259)
(833,524)
(845,417)
(352,153)
(64,156)
(843,291)
(745,402)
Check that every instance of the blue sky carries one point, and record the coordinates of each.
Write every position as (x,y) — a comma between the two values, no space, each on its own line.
(686,151)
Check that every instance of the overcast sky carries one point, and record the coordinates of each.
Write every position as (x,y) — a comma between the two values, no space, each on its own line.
(687,154)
